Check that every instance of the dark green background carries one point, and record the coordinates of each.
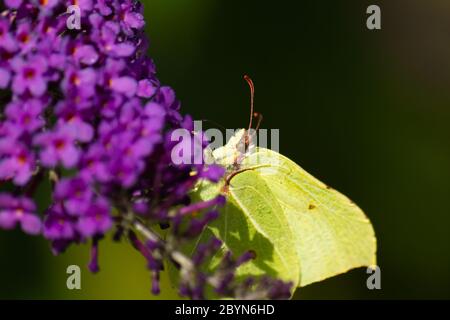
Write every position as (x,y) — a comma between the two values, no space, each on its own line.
(367,112)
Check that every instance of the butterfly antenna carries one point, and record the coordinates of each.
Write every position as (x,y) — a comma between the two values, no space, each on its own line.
(252,98)
(214,123)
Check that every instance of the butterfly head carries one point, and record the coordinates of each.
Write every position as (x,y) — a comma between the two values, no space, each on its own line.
(242,143)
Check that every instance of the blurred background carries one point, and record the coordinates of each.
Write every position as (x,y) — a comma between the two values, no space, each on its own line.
(367,112)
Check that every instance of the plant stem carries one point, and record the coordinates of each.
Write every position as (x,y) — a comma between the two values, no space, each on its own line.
(177,256)
(186,264)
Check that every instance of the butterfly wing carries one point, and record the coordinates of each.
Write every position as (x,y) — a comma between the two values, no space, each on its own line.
(252,220)
(332,235)
(274,203)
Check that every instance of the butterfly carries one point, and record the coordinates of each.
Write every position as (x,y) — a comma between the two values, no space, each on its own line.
(301,230)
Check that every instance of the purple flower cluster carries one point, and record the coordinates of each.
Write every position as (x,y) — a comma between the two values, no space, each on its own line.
(21,211)
(223,278)
(85,110)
